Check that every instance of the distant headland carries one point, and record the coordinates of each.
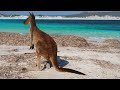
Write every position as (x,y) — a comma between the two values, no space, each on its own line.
(86,15)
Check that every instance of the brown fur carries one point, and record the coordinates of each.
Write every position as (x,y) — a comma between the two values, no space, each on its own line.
(45,46)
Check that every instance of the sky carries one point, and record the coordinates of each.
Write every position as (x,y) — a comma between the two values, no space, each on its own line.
(40,12)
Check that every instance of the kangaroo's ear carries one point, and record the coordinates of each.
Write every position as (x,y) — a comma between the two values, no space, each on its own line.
(30,14)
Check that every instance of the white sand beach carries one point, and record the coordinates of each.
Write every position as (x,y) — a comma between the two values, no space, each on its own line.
(96,64)
(98,60)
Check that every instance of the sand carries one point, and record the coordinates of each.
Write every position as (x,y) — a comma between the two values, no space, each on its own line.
(98,60)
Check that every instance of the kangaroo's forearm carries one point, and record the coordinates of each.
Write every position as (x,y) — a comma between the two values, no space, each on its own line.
(31,42)
(31,39)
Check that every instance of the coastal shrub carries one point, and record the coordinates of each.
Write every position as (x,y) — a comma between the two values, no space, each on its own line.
(69,40)
(114,43)
(61,40)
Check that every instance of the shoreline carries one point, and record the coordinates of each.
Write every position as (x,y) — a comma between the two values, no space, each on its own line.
(94,39)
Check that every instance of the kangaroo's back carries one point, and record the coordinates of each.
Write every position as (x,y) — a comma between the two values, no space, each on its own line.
(39,35)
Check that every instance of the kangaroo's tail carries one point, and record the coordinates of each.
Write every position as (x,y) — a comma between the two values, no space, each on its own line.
(69,70)
(55,64)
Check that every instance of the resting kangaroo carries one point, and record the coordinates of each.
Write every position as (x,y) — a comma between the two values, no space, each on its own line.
(45,46)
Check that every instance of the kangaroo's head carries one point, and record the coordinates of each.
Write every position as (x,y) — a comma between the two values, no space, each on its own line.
(30,18)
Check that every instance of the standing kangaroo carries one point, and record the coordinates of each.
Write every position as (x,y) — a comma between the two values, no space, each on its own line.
(45,46)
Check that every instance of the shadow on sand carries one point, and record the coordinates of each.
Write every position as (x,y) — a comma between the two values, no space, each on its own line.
(62,62)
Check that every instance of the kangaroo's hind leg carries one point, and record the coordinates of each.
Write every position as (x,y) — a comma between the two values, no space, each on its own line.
(39,61)
(42,63)
(42,56)
(38,64)
(39,57)
(46,64)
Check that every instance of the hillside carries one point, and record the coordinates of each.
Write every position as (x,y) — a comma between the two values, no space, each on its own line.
(3,15)
(86,14)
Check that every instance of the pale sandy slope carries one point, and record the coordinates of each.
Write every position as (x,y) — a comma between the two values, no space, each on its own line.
(95,63)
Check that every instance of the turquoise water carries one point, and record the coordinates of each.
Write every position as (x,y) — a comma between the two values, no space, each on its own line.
(85,28)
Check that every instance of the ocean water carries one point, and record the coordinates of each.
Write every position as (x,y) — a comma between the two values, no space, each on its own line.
(93,29)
